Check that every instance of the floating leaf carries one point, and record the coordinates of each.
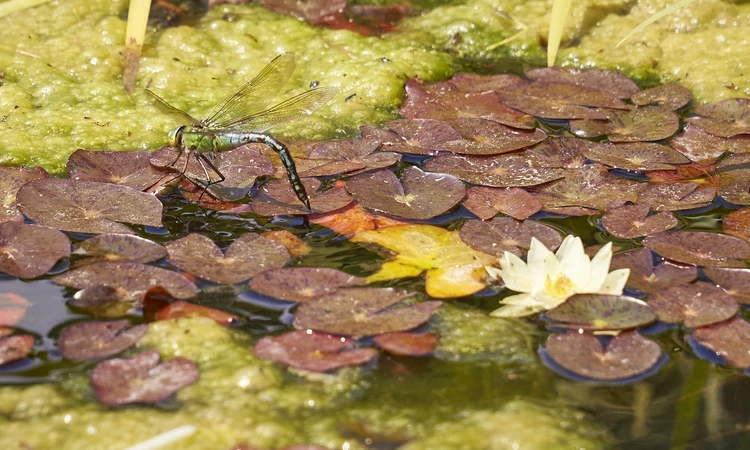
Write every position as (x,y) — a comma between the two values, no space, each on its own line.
(13,348)
(420,136)
(311,351)
(631,221)
(347,155)
(11,180)
(132,169)
(697,304)
(132,280)
(475,83)
(591,186)
(705,148)
(486,202)
(184,309)
(563,151)
(736,282)
(141,379)
(302,284)
(246,257)
(453,269)
(277,198)
(726,118)
(354,219)
(647,278)
(101,301)
(87,206)
(500,171)
(676,196)
(120,247)
(559,100)
(407,344)
(693,172)
(737,224)
(672,96)
(735,179)
(294,245)
(608,81)
(487,138)
(363,312)
(640,156)
(309,11)
(241,168)
(729,340)
(419,195)
(28,251)
(12,309)
(626,355)
(504,234)
(700,248)
(602,312)
(648,123)
(98,340)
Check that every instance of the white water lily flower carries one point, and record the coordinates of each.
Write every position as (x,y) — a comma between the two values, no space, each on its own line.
(547,279)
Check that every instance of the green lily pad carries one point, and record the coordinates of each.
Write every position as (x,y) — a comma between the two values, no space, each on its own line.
(504,234)
(697,304)
(602,312)
(729,340)
(302,284)
(648,123)
(28,251)
(631,221)
(700,248)
(646,277)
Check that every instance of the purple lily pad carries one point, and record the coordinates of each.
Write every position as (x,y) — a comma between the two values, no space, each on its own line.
(11,180)
(98,340)
(302,284)
(141,379)
(312,351)
(608,81)
(514,170)
(15,347)
(407,344)
(550,100)
(87,206)
(672,96)
(277,198)
(486,202)
(648,123)
(591,186)
(631,221)
(241,167)
(420,136)
(647,278)
(700,248)
(504,234)
(736,282)
(363,312)
(676,196)
(419,195)
(602,312)
(246,257)
(697,304)
(346,155)
(640,156)
(734,185)
(132,169)
(486,138)
(737,224)
(28,251)
(563,151)
(474,83)
(120,247)
(705,148)
(730,340)
(626,355)
(132,280)
(726,118)
(309,10)
(101,301)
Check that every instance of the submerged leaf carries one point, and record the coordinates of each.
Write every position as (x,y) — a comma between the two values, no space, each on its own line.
(602,312)
(700,248)
(647,278)
(294,245)
(309,10)
(98,340)
(504,234)
(28,251)
(631,221)
(302,284)
(648,123)
(697,304)
(729,340)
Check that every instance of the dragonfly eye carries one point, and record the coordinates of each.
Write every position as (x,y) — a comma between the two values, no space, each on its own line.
(175,137)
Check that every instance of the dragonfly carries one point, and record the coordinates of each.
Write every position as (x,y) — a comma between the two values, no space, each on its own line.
(243,117)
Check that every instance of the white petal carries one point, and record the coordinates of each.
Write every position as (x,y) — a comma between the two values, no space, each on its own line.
(536,257)
(510,311)
(599,268)
(615,282)
(493,272)
(574,262)
(520,300)
(516,274)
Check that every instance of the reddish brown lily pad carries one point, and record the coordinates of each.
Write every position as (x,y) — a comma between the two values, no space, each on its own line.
(626,355)
(550,100)
(726,118)
(363,312)
(12,309)
(28,251)
(244,258)
(419,195)
(11,180)
(354,219)
(407,344)
(312,351)
(98,340)
(277,198)
(735,179)
(564,151)
(514,170)
(486,202)
(696,304)
(101,301)
(736,282)
(347,155)
(602,312)
(729,340)
(470,82)
(648,123)
(421,136)
(677,196)
(700,248)
(640,156)
(486,138)
(241,167)
(309,10)
(120,247)
(609,81)
(705,148)
(504,234)
(15,347)
(132,169)
(184,309)
(87,206)
(591,186)
(294,245)
(647,278)
(141,379)
(631,221)
(737,224)
(672,96)
(302,284)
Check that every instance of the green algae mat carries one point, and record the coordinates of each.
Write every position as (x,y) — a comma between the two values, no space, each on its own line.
(422,240)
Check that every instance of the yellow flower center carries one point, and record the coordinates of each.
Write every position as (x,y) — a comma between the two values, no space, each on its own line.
(561,286)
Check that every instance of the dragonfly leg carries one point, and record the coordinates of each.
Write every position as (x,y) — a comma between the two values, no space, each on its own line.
(286,159)
(203,160)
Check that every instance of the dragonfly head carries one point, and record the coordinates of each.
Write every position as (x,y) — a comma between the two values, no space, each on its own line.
(175,137)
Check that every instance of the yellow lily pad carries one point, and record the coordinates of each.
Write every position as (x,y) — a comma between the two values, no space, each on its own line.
(452,268)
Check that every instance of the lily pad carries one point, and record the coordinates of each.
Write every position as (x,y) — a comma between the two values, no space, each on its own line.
(309,11)
(246,257)
(608,81)
(677,196)
(421,136)
(294,245)
(277,198)
(87,206)
(120,247)
(729,340)
(700,248)
(550,100)
(12,309)
(354,219)
(475,83)
(602,312)
(241,168)
(591,186)
(625,355)
(486,202)
(736,282)
(647,278)
(487,138)
(648,123)
(98,340)
(737,224)
(311,351)
(363,312)
(302,284)
(631,221)
(28,251)
(132,169)
(11,180)
(419,195)
(504,234)
(697,304)
(141,379)
(735,179)
(15,347)
(184,309)
(705,148)
(672,96)
(639,156)
(132,280)
(407,344)
(564,151)
(514,170)
(101,301)
(453,269)
(347,155)
(726,118)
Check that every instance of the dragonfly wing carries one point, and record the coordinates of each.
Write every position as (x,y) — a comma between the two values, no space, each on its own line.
(295,108)
(174,109)
(254,95)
